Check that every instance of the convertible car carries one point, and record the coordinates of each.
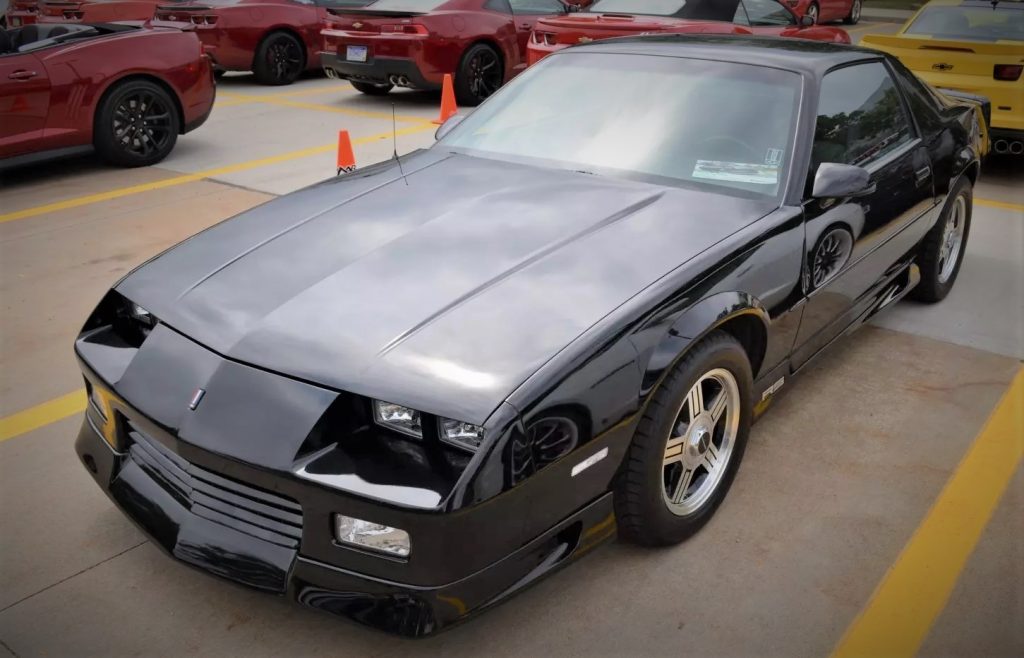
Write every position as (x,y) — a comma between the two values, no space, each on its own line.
(616,18)
(277,40)
(125,91)
(405,394)
(414,43)
(972,46)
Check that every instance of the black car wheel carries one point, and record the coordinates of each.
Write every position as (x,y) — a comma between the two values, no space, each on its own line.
(137,124)
(280,59)
(854,16)
(942,250)
(371,89)
(480,74)
(688,445)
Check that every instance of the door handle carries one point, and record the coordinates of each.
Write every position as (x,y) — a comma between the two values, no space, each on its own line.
(922,173)
(22,75)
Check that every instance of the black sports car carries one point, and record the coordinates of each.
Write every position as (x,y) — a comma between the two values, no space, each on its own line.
(405,394)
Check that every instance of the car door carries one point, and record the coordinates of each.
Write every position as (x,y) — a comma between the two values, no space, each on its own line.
(24,102)
(853,244)
(525,14)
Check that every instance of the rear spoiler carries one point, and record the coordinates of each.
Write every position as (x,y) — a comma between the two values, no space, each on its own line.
(184,8)
(928,43)
(983,101)
(363,11)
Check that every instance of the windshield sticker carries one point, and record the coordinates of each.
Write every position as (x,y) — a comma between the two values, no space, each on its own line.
(773,157)
(737,172)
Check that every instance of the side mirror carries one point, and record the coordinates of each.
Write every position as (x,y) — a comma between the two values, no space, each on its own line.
(834,180)
(447,126)
(806,21)
(568,7)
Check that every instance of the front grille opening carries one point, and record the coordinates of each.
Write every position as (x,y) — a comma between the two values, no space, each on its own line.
(263,514)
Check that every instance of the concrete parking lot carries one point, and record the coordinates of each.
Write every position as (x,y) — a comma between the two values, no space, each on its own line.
(880,507)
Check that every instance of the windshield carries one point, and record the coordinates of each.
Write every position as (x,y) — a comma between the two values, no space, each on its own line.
(971,23)
(665,120)
(708,10)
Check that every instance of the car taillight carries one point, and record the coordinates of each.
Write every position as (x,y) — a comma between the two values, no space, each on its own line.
(207,19)
(404,28)
(546,38)
(1009,72)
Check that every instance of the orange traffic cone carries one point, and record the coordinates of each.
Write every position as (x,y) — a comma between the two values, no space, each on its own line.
(346,159)
(448,106)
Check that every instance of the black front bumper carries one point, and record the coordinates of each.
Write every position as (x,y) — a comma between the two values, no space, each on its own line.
(164,496)
(376,70)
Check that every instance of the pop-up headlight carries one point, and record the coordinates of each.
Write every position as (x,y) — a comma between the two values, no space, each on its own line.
(399,418)
(463,435)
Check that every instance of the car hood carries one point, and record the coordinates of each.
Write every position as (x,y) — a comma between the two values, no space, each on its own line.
(444,291)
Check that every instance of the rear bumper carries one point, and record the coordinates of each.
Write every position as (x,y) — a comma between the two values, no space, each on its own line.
(152,488)
(377,70)
(1005,141)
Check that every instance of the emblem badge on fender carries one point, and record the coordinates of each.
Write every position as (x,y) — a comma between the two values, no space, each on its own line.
(357,25)
(197,397)
(942,66)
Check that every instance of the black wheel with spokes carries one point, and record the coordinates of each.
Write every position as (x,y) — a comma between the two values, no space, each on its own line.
(280,59)
(480,74)
(137,124)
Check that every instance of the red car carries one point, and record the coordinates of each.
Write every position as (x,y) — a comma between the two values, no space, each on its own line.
(413,43)
(21,12)
(615,18)
(275,39)
(125,91)
(826,11)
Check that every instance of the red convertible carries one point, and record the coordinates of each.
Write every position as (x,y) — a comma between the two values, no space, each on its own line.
(413,43)
(275,39)
(616,18)
(125,91)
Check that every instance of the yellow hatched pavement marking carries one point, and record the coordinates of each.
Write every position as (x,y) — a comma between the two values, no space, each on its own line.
(1002,205)
(200,175)
(915,590)
(42,415)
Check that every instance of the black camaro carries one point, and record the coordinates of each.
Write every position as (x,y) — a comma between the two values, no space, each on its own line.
(407,393)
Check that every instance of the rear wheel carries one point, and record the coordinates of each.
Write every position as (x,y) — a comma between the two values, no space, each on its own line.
(280,59)
(854,16)
(480,74)
(371,89)
(942,250)
(137,124)
(688,445)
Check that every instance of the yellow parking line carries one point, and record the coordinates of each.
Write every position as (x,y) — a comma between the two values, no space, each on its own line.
(903,608)
(199,175)
(239,98)
(42,415)
(989,203)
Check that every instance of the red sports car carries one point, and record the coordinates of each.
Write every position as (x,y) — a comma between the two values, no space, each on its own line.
(826,11)
(126,91)
(21,12)
(615,18)
(275,39)
(413,43)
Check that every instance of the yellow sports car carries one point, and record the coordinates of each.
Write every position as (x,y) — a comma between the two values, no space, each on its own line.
(974,46)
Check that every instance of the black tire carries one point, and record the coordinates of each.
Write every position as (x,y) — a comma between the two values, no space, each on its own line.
(371,89)
(136,125)
(641,506)
(480,74)
(218,73)
(854,16)
(817,11)
(936,279)
(280,59)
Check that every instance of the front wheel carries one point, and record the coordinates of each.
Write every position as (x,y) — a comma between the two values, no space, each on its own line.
(280,59)
(137,124)
(688,445)
(371,89)
(480,74)
(942,250)
(854,16)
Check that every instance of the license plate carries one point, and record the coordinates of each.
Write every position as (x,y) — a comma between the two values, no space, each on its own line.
(355,53)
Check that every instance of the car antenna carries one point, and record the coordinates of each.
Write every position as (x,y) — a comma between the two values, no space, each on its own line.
(394,141)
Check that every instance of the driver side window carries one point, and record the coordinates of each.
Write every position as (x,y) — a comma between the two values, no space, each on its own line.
(534,7)
(763,12)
